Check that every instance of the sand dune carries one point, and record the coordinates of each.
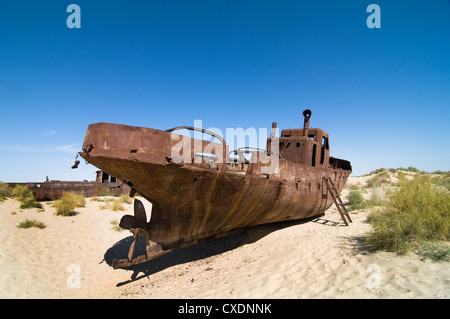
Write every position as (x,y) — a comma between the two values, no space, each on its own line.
(71,258)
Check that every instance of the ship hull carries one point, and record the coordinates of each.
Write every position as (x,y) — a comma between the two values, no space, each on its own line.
(191,202)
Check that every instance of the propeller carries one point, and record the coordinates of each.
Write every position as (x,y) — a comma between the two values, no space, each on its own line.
(139,220)
(137,225)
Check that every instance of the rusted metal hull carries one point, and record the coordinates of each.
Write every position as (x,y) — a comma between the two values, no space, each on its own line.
(196,201)
(189,202)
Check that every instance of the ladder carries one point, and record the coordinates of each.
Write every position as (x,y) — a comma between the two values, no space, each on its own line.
(337,200)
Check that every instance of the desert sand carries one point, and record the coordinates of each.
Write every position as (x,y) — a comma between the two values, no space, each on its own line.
(320,258)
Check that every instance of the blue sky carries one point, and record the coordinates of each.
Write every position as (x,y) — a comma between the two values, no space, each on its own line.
(382,94)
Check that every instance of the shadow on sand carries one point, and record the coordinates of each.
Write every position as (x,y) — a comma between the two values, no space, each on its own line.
(191,253)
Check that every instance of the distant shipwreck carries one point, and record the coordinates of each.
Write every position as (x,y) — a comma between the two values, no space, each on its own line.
(55,189)
(198,196)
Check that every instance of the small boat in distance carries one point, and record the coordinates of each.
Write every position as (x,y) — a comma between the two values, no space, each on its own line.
(199,190)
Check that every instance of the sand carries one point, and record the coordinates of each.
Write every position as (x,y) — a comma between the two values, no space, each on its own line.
(322,258)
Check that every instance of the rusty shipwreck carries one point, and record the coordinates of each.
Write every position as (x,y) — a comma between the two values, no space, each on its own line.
(198,196)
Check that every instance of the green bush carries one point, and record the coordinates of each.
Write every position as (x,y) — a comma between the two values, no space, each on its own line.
(22,193)
(68,202)
(380,178)
(25,196)
(355,200)
(417,212)
(116,227)
(435,252)
(5,191)
(64,207)
(31,203)
(31,223)
(79,199)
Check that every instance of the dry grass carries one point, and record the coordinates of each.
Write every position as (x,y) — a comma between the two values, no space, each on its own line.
(68,202)
(116,204)
(31,223)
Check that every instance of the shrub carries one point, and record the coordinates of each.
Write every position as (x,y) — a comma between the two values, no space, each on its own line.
(25,196)
(31,203)
(79,199)
(377,171)
(416,213)
(117,204)
(31,223)
(354,187)
(5,191)
(379,179)
(66,204)
(116,226)
(375,199)
(434,252)
(22,193)
(355,200)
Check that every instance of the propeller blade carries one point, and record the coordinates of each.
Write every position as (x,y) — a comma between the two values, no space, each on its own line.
(127,222)
(131,251)
(138,232)
(140,215)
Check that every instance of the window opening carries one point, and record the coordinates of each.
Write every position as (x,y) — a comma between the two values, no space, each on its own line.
(314,155)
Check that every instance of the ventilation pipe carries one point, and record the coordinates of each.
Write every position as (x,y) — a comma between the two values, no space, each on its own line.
(307,115)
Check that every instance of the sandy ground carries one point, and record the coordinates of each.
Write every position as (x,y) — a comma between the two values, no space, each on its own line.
(322,258)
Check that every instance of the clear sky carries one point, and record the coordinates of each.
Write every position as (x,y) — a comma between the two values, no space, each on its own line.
(383,94)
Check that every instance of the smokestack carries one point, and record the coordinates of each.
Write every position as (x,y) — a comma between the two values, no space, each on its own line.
(272,132)
(307,115)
